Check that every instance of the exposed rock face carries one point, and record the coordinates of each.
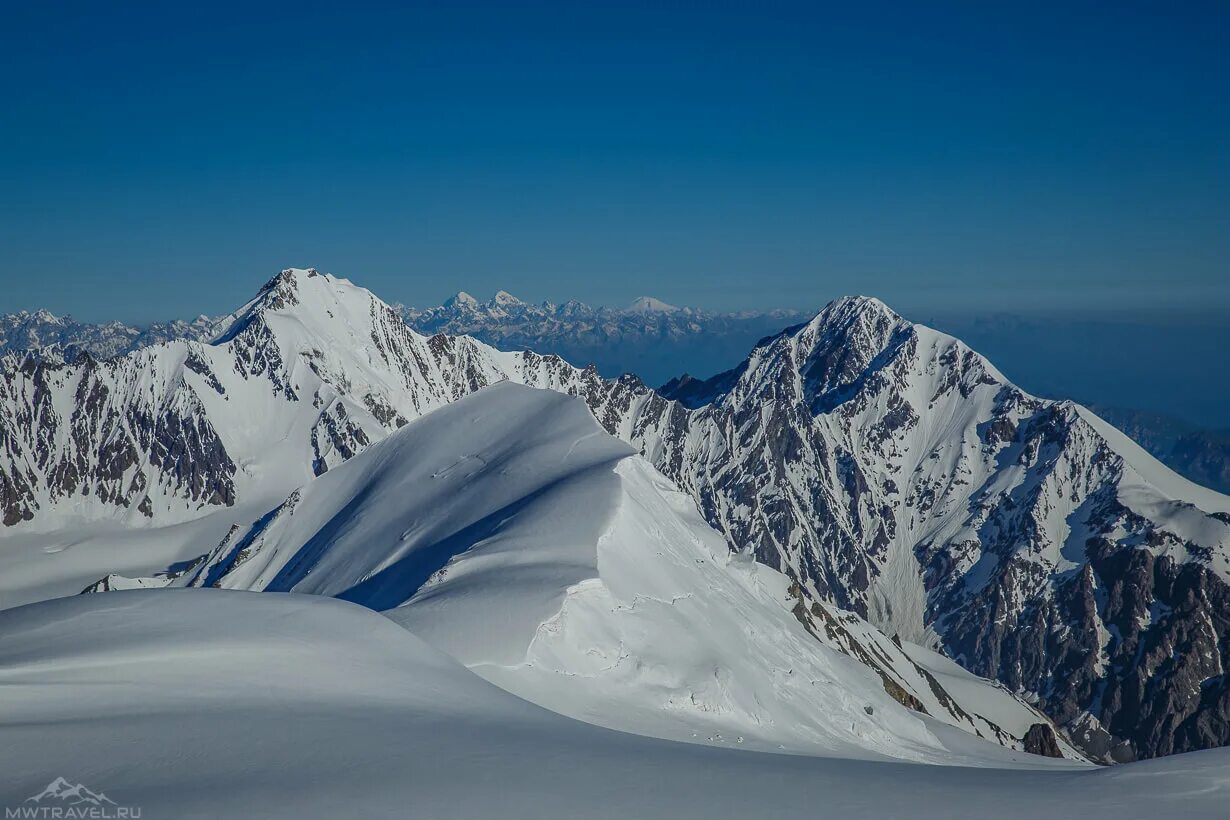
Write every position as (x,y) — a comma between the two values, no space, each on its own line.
(1040,740)
(107,435)
(885,467)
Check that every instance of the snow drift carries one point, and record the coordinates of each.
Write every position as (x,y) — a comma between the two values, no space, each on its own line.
(511,531)
(302,706)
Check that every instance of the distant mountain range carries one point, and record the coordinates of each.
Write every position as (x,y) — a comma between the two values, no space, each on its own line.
(63,337)
(648,337)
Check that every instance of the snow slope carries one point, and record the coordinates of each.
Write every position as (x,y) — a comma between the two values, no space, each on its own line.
(301,706)
(172,444)
(511,531)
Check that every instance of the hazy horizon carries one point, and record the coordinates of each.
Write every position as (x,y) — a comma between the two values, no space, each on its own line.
(1152,307)
(1157,360)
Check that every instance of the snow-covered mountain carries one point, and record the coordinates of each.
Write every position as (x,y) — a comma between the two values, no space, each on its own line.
(298,706)
(648,304)
(883,467)
(895,471)
(57,338)
(304,376)
(648,337)
(510,530)
(616,341)
(505,314)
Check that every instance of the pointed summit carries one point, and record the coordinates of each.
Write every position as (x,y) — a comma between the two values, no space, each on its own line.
(866,305)
(49,317)
(461,299)
(648,304)
(850,317)
(503,297)
(306,298)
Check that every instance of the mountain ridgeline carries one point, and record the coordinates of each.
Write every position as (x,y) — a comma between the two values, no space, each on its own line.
(650,338)
(885,468)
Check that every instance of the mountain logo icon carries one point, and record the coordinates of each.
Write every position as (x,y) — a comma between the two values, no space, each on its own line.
(72,794)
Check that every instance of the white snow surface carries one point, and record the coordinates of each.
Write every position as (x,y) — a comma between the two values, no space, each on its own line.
(509,530)
(301,706)
(519,480)
(648,304)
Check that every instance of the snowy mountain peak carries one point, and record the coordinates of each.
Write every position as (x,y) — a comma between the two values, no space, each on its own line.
(48,317)
(316,302)
(283,287)
(462,299)
(863,316)
(41,315)
(860,303)
(648,304)
(504,298)
(291,277)
(295,285)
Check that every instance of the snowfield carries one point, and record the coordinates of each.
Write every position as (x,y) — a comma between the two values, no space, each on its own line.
(509,530)
(209,703)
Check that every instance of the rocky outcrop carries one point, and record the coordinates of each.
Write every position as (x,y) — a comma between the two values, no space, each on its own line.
(1040,740)
(111,433)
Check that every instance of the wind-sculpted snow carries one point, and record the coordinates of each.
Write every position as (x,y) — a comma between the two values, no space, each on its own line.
(883,467)
(510,530)
(301,707)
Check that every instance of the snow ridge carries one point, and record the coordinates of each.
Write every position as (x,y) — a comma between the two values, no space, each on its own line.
(510,530)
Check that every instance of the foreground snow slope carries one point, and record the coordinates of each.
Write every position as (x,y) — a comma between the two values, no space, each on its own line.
(302,706)
(511,531)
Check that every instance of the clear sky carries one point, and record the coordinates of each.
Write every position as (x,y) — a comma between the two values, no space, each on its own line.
(164,159)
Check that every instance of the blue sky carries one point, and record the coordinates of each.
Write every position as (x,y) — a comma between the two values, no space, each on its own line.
(162,160)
